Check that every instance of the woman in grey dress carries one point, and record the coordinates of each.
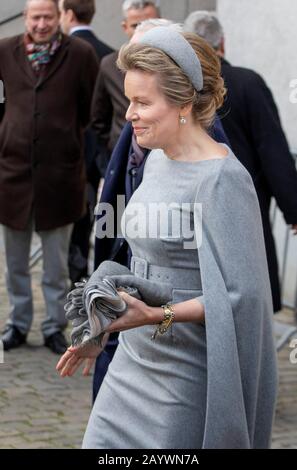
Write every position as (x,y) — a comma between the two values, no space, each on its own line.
(200,372)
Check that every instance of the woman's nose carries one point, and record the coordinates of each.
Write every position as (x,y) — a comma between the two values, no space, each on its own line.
(130,114)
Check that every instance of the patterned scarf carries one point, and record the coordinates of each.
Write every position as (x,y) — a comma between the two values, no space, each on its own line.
(39,55)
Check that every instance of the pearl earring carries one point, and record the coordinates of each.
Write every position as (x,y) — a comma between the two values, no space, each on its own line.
(182,120)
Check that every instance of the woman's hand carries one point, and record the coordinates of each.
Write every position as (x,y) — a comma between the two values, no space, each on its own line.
(294,228)
(137,314)
(76,355)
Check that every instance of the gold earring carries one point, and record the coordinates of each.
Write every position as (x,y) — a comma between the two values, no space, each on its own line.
(182,120)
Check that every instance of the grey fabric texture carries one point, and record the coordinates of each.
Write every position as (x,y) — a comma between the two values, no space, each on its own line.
(199,386)
(93,305)
(178,49)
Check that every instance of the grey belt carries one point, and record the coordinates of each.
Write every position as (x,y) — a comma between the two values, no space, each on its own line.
(178,278)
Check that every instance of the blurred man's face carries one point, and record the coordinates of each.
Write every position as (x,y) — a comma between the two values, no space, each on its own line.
(41,20)
(134,17)
(65,18)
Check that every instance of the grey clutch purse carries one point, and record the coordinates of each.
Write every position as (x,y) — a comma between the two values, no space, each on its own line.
(94,304)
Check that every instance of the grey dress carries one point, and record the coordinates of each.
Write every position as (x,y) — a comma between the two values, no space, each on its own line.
(155,393)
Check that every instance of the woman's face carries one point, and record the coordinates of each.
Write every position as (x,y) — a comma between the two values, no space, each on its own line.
(154,120)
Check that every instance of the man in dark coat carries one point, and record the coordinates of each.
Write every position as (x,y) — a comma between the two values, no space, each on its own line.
(75,20)
(1,100)
(252,124)
(48,80)
(109,103)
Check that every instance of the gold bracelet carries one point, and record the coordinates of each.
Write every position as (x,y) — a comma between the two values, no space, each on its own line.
(167,321)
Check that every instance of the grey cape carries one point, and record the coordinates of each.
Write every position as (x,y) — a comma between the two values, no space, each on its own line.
(241,357)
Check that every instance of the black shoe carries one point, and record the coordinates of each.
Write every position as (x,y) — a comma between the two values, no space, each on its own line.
(56,343)
(12,338)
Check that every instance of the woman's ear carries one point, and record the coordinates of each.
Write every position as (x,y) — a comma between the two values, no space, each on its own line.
(186,110)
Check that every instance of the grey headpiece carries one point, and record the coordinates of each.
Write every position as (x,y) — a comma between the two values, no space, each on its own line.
(178,49)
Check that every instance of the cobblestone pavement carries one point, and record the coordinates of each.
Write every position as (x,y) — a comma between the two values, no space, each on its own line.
(40,410)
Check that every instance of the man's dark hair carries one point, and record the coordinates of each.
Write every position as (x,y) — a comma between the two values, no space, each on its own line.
(84,10)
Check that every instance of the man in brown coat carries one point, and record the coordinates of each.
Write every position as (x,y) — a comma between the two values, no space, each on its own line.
(48,81)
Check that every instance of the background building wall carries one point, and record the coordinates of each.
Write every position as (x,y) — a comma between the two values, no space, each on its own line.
(7,10)
(262,35)
(10,8)
(13,27)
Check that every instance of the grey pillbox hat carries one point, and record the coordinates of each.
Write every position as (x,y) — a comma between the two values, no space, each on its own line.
(178,49)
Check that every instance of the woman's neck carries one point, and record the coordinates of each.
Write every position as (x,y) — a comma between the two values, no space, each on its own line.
(194,143)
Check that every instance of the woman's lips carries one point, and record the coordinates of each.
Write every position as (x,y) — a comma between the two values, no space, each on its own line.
(139,130)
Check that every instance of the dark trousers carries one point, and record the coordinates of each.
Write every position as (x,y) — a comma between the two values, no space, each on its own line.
(79,247)
(80,239)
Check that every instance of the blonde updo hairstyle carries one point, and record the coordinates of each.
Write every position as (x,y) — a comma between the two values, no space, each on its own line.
(174,83)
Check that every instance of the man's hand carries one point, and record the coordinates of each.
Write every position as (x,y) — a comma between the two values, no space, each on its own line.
(294,228)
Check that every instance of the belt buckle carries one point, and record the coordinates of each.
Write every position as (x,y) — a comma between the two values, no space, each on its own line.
(139,267)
